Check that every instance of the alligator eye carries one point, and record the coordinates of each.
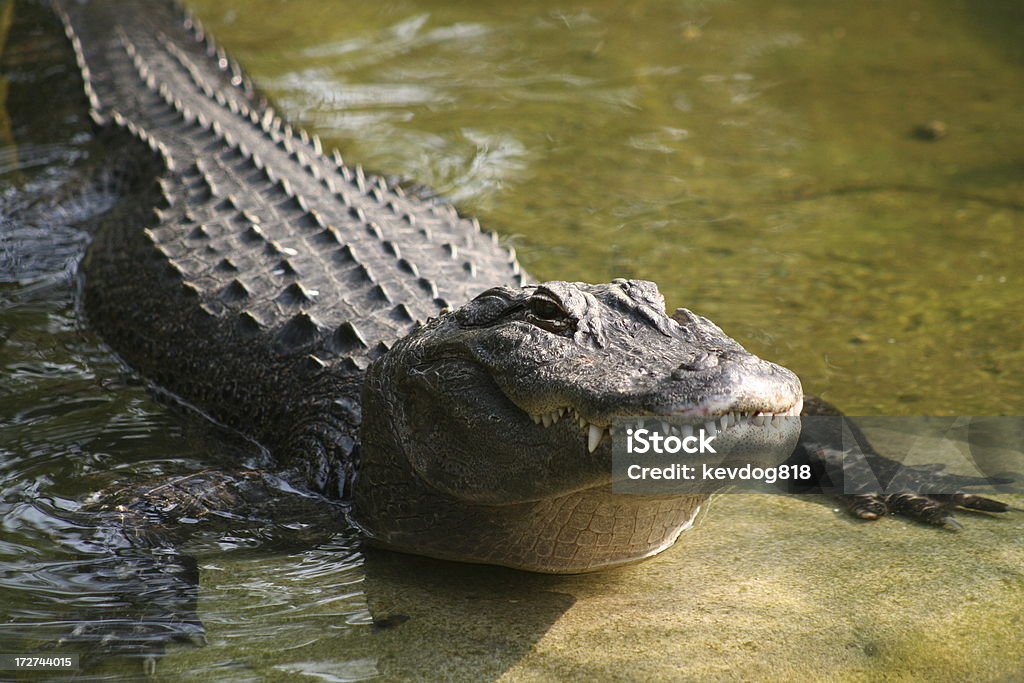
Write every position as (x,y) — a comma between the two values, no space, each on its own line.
(499,293)
(548,315)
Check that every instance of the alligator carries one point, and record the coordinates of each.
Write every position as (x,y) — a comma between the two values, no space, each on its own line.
(383,348)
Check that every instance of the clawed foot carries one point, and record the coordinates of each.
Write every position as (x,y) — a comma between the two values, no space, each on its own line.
(871,485)
(934,509)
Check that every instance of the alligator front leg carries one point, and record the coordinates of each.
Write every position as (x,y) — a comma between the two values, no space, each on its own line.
(869,485)
(135,558)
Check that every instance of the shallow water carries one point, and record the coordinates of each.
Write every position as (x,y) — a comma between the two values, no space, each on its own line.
(758,160)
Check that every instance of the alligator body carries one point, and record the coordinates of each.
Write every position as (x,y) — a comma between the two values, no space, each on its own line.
(384,349)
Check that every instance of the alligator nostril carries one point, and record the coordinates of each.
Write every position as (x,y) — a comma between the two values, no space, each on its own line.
(702,360)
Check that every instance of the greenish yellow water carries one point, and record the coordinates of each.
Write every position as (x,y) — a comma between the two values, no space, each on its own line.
(758,160)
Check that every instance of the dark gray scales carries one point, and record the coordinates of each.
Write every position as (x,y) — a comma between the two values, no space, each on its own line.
(258,240)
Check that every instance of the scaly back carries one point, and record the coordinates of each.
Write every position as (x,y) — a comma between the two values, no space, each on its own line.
(245,270)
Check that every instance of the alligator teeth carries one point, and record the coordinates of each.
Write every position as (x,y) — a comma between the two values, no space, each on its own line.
(711,427)
(594,437)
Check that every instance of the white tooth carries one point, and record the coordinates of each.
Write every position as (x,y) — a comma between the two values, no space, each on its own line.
(536,418)
(687,431)
(594,437)
(724,422)
(758,420)
(555,414)
(583,423)
(611,430)
(561,412)
(546,419)
(776,421)
(709,428)
(664,427)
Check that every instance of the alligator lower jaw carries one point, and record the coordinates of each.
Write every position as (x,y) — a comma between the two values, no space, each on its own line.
(640,529)
(679,423)
(580,532)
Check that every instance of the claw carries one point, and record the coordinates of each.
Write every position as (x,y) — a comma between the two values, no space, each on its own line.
(981,503)
(973,502)
(868,507)
(951,523)
(920,507)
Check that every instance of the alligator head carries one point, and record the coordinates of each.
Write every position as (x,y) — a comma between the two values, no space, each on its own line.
(486,431)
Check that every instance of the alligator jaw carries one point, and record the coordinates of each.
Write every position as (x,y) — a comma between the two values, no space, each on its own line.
(682,423)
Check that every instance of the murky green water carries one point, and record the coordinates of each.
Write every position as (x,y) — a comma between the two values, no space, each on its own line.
(759,161)
(756,159)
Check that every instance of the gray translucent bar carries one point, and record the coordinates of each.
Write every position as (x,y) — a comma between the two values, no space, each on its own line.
(35,662)
(826,454)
